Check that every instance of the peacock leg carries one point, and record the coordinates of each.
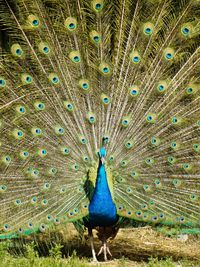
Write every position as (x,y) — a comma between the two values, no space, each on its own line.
(92,244)
(104,248)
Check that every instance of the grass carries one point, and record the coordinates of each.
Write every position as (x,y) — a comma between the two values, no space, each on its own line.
(132,248)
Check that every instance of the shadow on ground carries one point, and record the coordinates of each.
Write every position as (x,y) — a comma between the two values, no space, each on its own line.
(135,244)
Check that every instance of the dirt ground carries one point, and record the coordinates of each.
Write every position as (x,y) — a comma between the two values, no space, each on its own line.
(134,246)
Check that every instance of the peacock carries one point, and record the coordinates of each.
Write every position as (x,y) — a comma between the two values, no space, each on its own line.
(99,116)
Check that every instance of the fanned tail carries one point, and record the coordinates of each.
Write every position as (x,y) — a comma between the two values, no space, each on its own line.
(75,72)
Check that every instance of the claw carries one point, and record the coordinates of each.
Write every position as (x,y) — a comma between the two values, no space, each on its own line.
(100,251)
(108,250)
(104,249)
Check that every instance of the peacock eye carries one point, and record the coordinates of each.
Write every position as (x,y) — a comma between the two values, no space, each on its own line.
(76,59)
(147,30)
(154,218)
(85,85)
(19,133)
(69,106)
(128,190)
(134,92)
(149,118)
(28,79)
(96,38)
(18,201)
(71,25)
(35,22)
(2,82)
(18,51)
(157,182)
(46,49)
(185,31)
(6,226)
(169,55)
(174,120)
(55,79)
(105,70)
(190,90)
(98,6)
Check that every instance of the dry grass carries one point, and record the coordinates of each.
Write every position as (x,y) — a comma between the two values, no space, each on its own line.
(145,242)
(139,244)
(131,247)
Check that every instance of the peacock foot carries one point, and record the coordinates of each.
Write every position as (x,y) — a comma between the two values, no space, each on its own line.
(94,260)
(105,249)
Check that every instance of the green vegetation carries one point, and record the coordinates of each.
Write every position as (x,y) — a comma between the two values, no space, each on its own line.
(63,247)
(30,258)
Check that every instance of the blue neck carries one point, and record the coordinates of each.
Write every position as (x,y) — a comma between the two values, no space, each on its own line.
(102,210)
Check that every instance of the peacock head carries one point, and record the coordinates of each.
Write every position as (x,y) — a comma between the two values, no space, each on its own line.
(105,140)
(102,155)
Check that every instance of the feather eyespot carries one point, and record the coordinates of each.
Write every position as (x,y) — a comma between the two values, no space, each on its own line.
(168,54)
(2,82)
(71,24)
(33,21)
(97,5)
(6,227)
(17,51)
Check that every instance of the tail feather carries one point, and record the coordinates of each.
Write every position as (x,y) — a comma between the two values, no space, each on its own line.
(74,72)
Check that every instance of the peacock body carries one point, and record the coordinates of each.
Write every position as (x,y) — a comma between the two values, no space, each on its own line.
(99,114)
(102,210)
